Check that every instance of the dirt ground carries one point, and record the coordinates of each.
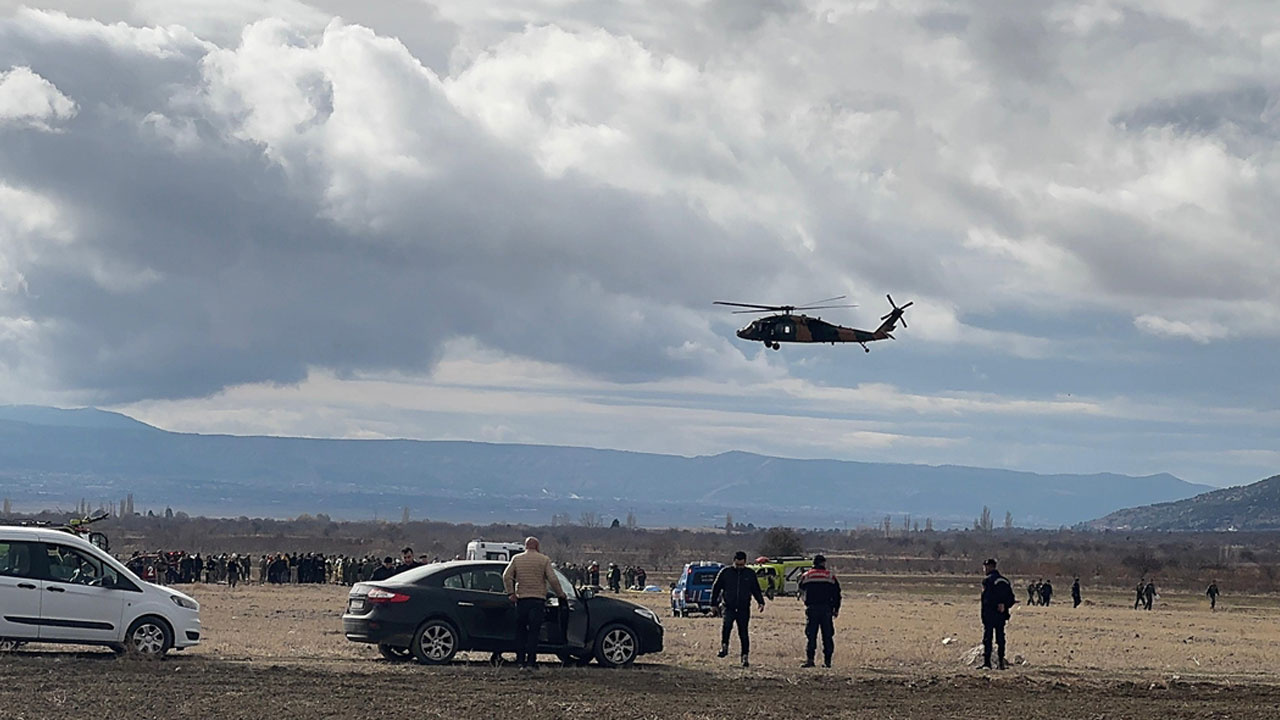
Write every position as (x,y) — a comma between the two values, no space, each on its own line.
(278,652)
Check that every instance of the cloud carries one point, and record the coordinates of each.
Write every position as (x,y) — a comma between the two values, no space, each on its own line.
(26,99)
(1199,332)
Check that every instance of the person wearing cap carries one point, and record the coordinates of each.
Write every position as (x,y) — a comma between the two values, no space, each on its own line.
(821,593)
(736,584)
(997,599)
(385,570)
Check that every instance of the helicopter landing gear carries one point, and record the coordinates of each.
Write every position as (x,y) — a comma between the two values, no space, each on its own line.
(776,346)
(864,347)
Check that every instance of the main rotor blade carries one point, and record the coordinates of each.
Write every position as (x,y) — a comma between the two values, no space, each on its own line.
(750,305)
(752,312)
(826,300)
(823,307)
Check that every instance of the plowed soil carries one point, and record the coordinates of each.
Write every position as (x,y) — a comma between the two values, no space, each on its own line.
(278,652)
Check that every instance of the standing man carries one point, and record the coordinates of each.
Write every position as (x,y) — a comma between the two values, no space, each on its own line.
(821,593)
(1075,593)
(737,585)
(615,578)
(1212,592)
(997,599)
(527,578)
(1149,593)
(407,560)
(1142,587)
(1046,592)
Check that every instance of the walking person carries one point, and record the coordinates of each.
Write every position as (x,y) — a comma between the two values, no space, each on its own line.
(527,578)
(1212,592)
(1046,592)
(997,599)
(820,591)
(737,585)
(1075,593)
(1142,587)
(1149,594)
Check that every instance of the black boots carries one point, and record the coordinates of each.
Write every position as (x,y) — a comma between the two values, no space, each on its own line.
(724,651)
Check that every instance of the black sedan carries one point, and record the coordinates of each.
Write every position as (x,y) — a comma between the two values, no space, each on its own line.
(432,612)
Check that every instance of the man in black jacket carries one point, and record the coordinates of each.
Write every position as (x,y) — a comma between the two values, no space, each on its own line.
(736,584)
(997,599)
(821,592)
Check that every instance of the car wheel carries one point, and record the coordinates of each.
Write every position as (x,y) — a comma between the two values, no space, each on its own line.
(148,637)
(435,643)
(616,646)
(395,653)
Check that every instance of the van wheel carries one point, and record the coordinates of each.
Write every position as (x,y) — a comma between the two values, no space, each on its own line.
(395,653)
(148,637)
(616,646)
(435,643)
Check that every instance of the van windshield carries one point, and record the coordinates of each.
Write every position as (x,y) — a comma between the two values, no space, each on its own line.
(703,577)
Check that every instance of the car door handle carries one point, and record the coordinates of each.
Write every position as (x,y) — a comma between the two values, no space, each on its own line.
(26,586)
(466,604)
(57,589)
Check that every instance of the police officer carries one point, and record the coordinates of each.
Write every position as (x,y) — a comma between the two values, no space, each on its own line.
(737,585)
(821,593)
(997,599)
(1075,593)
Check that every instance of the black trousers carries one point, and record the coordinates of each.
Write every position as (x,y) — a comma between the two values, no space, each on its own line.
(741,616)
(992,626)
(530,612)
(1075,600)
(819,618)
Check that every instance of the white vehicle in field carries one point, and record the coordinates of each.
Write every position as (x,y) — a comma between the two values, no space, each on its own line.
(481,550)
(56,587)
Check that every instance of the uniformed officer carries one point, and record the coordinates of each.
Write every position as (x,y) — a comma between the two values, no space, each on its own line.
(997,599)
(1075,593)
(821,593)
(1213,593)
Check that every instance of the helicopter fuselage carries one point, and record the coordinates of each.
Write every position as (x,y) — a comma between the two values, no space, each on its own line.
(804,329)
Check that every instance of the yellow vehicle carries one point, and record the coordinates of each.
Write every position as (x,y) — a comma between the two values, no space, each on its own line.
(780,575)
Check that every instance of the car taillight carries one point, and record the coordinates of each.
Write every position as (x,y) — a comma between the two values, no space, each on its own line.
(378,595)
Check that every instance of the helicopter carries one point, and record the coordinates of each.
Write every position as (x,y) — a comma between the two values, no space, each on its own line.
(786,327)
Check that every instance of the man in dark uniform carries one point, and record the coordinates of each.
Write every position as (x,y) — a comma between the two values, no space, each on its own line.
(1149,594)
(1046,592)
(1142,586)
(997,599)
(386,570)
(1212,592)
(737,585)
(821,593)
(1075,593)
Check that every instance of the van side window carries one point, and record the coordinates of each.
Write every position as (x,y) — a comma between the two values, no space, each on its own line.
(69,565)
(16,559)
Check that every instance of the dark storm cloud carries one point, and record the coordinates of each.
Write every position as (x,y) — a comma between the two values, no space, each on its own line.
(201,263)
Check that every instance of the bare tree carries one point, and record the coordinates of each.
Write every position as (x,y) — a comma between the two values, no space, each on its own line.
(1008,520)
(984,522)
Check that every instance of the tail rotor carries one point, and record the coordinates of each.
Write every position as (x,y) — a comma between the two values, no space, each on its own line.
(896,313)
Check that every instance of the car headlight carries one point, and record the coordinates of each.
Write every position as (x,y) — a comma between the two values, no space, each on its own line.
(184,602)
(648,614)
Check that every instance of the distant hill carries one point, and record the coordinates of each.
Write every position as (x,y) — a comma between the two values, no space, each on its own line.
(1248,507)
(53,458)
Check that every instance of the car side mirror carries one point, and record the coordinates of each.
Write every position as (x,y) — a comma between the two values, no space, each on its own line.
(586,593)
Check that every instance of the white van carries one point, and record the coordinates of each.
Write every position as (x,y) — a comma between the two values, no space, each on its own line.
(481,550)
(57,587)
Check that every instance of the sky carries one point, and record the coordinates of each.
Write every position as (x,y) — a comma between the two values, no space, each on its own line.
(508,221)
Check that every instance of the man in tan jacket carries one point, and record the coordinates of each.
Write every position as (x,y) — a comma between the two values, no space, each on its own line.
(527,578)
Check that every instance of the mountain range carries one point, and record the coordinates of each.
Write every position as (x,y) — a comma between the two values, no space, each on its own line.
(1247,507)
(52,458)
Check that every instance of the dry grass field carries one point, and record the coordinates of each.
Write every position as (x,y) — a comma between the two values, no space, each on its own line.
(276,652)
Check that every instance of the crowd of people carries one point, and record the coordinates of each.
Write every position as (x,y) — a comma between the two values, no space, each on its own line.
(179,567)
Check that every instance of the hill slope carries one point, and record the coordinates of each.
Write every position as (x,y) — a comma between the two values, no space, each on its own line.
(1248,507)
(45,463)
